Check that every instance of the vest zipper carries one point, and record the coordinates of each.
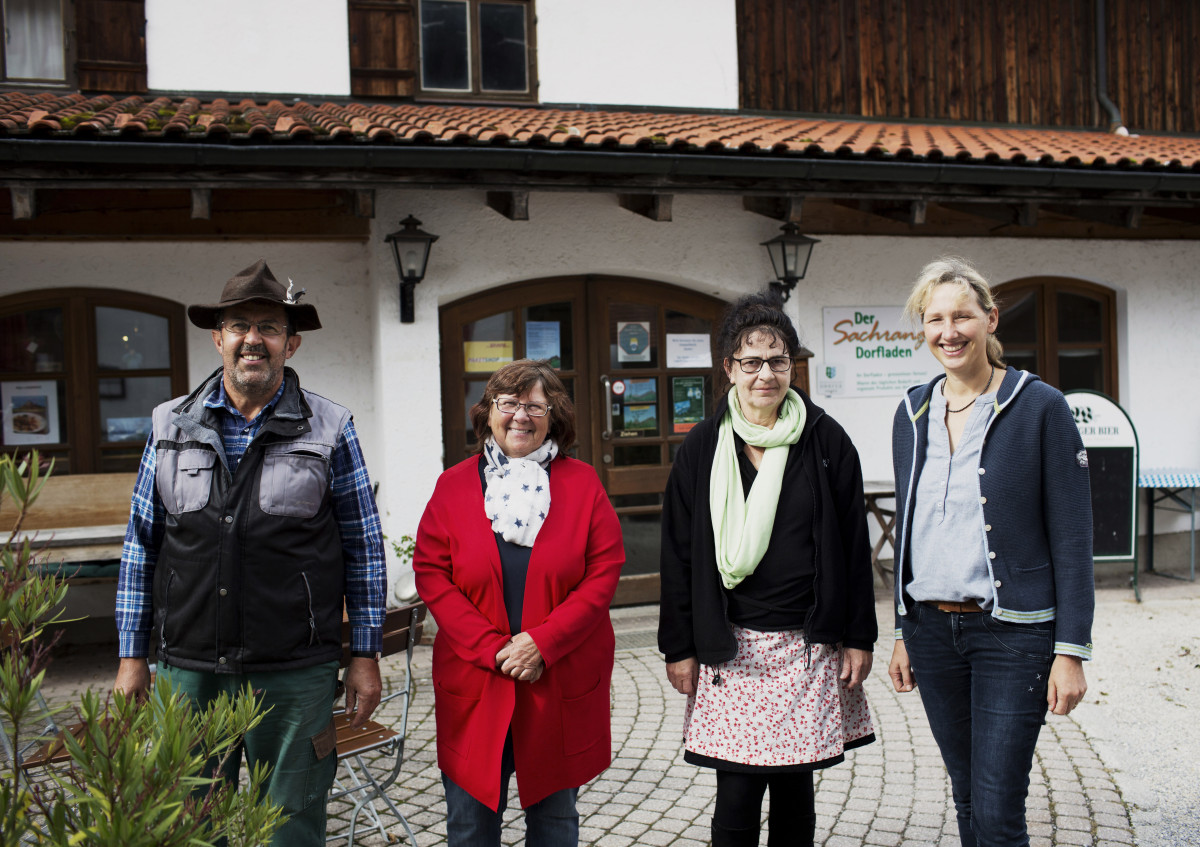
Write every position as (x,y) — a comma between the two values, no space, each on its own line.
(312,620)
(162,633)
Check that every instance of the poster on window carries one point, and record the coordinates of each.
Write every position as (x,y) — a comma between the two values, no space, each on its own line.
(689,350)
(486,356)
(633,341)
(872,351)
(543,340)
(687,398)
(30,412)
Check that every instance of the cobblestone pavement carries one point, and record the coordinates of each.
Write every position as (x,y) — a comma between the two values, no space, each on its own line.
(893,793)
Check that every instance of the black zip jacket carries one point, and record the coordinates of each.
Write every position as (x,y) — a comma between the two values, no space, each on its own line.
(693,619)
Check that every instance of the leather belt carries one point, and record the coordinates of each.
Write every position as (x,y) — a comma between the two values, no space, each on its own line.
(947,606)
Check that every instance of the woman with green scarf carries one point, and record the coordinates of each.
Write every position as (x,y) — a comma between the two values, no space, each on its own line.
(767,616)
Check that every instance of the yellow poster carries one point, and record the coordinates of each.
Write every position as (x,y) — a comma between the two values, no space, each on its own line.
(486,356)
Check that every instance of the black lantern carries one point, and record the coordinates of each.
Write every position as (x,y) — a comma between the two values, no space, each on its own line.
(410,249)
(789,252)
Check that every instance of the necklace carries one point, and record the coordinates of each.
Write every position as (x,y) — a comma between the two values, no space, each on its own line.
(977,396)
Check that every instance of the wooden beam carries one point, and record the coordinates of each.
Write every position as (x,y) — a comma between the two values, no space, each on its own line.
(1020,214)
(364,203)
(656,207)
(201,204)
(514,205)
(1121,216)
(24,203)
(910,212)
(784,208)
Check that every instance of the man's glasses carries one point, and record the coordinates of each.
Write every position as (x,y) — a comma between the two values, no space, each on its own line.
(509,407)
(267,329)
(753,365)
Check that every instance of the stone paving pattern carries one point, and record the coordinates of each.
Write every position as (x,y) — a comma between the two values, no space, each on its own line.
(893,793)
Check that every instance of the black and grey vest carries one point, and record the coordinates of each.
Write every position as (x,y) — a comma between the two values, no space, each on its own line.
(250,575)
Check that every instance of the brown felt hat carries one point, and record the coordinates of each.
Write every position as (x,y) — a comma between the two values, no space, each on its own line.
(257,283)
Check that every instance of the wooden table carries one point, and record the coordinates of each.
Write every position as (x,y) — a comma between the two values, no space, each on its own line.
(874,491)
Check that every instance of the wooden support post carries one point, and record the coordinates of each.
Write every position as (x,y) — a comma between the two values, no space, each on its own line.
(24,203)
(784,207)
(656,207)
(201,204)
(514,205)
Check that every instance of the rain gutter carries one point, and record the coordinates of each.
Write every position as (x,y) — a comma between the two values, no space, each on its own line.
(374,158)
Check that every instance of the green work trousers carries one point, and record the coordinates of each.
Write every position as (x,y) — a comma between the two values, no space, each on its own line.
(298,705)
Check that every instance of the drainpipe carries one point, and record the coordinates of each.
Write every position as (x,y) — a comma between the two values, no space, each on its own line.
(1115,124)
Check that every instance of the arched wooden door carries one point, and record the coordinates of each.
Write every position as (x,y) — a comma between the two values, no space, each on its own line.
(637,358)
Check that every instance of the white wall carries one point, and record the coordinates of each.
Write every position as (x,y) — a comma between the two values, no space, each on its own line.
(638,52)
(267,46)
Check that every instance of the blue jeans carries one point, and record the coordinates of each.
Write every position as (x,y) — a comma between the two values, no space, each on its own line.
(550,822)
(983,683)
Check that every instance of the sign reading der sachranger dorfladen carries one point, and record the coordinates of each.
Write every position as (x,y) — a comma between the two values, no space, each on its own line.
(872,351)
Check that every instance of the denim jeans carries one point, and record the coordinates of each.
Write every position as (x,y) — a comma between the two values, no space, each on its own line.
(550,822)
(983,683)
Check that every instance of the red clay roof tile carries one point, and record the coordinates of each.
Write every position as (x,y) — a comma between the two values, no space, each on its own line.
(49,116)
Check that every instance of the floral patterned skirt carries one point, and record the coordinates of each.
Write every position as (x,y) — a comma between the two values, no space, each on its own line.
(776,705)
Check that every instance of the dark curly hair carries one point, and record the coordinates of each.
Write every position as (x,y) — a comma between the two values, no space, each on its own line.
(516,378)
(761,312)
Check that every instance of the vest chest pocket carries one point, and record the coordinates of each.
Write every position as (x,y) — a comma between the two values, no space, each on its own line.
(184,479)
(295,476)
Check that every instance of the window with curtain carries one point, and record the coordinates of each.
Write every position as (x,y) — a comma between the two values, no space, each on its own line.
(34,44)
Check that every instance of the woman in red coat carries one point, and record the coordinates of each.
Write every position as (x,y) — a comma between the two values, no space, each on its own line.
(518,555)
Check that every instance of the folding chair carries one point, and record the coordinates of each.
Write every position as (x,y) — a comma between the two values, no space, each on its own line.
(401,632)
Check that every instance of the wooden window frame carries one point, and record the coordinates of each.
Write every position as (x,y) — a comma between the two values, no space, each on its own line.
(84,444)
(69,57)
(477,92)
(1048,346)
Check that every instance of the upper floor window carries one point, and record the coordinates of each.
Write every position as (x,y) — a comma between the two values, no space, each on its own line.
(443,48)
(476,46)
(34,45)
(1064,330)
(81,370)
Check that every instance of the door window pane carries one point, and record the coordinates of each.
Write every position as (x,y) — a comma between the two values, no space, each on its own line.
(33,40)
(641,534)
(548,335)
(635,405)
(130,340)
(445,59)
(1080,369)
(1019,321)
(126,404)
(633,338)
(502,62)
(625,455)
(1023,360)
(32,341)
(488,343)
(471,396)
(1079,319)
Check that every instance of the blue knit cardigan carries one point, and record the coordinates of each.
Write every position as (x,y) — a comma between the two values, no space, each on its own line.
(1037,507)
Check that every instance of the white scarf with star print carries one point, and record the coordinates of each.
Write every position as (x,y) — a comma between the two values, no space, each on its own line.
(518,491)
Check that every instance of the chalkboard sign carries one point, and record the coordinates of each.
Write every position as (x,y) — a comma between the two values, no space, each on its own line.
(1112,449)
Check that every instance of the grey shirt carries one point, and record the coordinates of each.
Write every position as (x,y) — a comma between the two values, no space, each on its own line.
(949,542)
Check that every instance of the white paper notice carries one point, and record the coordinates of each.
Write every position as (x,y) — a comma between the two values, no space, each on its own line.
(689,350)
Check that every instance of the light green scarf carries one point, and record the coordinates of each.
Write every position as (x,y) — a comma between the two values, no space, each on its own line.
(741,526)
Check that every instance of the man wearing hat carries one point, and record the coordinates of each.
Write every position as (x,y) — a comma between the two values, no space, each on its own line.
(252,521)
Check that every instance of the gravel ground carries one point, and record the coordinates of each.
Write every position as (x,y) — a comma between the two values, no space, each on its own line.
(1142,710)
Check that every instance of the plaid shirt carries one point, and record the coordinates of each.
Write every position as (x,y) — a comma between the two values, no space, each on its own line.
(353,506)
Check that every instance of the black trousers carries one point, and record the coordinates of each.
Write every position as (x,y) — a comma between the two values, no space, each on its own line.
(791,818)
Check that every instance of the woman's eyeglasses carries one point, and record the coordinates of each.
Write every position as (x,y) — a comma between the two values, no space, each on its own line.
(509,407)
(753,365)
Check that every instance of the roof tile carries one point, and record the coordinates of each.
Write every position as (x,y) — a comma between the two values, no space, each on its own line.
(49,116)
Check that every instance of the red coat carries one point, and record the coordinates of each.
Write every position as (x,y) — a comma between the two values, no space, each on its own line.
(560,724)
